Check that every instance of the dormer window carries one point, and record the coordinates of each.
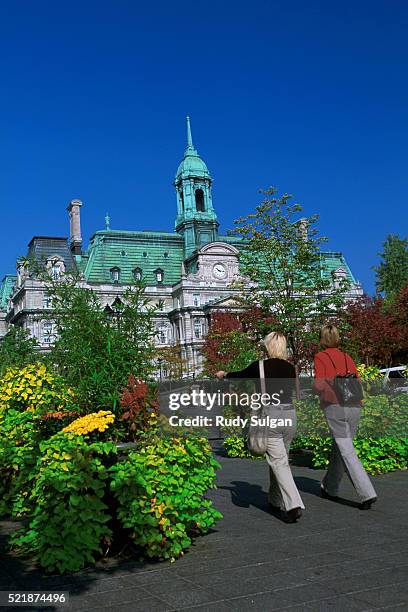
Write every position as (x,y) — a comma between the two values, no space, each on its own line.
(137,274)
(159,275)
(339,277)
(55,267)
(56,271)
(115,274)
(199,199)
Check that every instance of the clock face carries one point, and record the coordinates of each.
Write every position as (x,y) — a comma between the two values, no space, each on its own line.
(219,270)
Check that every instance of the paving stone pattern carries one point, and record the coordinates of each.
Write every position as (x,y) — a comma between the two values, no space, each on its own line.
(337,558)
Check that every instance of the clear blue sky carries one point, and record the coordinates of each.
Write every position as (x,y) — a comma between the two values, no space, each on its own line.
(308,96)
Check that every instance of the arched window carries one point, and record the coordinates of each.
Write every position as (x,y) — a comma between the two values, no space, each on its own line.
(159,275)
(115,274)
(199,198)
(137,274)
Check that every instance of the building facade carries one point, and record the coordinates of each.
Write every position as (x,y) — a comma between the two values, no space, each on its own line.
(188,271)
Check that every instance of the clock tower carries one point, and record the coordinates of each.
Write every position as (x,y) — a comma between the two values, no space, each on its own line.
(196,219)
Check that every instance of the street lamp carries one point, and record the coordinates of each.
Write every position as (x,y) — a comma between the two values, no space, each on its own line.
(160,362)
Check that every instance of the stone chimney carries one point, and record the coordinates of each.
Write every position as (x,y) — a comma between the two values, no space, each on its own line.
(75,236)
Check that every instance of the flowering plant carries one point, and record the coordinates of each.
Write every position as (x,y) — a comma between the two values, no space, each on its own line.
(96,421)
(33,388)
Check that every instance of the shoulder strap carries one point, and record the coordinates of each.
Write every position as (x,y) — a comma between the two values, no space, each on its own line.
(262,375)
(333,364)
(345,361)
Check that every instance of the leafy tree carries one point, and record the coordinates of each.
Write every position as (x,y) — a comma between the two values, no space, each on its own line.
(281,262)
(392,272)
(170,360)
(370,334)
(17,349)
(376,332)
(228,346)
(96,351)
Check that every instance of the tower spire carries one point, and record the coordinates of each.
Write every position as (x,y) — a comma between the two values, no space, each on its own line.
(196,219)
(189,137)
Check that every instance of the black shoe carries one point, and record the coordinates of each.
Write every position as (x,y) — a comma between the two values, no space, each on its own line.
(293,515)
(366,505)
(274,508)
(327,495)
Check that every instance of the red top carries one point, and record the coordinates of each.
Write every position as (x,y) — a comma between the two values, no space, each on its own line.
(324,369)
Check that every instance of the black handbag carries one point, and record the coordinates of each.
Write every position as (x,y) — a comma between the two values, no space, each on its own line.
(347,387)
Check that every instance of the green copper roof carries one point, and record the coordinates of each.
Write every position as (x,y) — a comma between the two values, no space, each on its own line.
(6,289)
(148,251)
(334,261)
(192,164)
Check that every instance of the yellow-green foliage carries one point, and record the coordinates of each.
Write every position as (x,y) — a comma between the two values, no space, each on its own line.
(70,519)
(82,493)
(369,372)
(33,388)
(160,491)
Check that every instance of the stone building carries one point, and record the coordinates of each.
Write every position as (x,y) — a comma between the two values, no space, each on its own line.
(188,270)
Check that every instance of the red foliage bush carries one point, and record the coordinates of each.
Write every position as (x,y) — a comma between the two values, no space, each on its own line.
(376,330)
(139,405)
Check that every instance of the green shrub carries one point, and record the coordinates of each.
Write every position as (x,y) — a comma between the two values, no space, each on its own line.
(381,455)
(34,404)
(382,442)
(236,447)
(157,494)
(20,437)
(69,521)
(160,491)
(378,455)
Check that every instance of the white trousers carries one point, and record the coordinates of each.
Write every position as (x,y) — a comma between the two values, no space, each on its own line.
(343,423)
(282,488)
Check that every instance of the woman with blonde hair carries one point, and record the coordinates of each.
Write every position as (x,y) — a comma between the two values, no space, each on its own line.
(283,493)
(342,418)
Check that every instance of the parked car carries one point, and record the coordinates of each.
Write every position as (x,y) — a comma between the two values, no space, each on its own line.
(395,380)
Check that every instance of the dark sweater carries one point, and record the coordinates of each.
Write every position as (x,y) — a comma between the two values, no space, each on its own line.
(282,371)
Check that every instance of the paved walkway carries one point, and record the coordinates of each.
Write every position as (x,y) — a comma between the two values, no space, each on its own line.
(335,558)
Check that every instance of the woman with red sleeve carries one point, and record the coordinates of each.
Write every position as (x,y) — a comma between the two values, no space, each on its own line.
(342,421)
